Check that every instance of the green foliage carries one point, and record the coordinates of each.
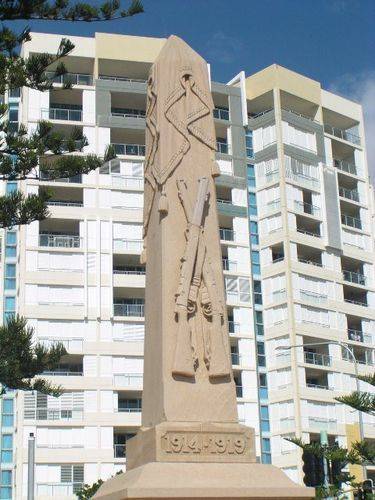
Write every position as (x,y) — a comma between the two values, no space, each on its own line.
(361,401)
(21,153)
(87,491)
(21,360)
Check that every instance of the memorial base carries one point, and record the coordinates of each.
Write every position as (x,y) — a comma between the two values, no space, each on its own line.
(202,481)
(177,460)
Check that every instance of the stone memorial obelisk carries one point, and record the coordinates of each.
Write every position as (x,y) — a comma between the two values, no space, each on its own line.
(190,444)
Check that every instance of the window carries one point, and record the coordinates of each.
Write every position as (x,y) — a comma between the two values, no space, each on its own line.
(258,292)
(263,388)
(11,244)
(266,450)
(7,417)
(264,419)
(250,175)
(255,262)
(249,144)
(5,485)
(261,354)
(6,448)
(10,277)
(11,187)
(253,204)
(254,236)
(259,330)
(6,477)
(6,493)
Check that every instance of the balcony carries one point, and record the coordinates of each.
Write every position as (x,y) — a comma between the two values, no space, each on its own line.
(349,194)
(60,490)
(239,391)
(67,114)
(272,206)
(313,385)
(221,113)
(128,113)
(119,450)
(316,358)
(348,220)
(229,265)
(223,148)
(45,175)
(253,116)
(313,297)
(354,277)
(70,344)
(60,240)
(342,134)
(128,380)
(129,310)
(308,232)
(66,370)
(359,336)
(55,414)
(122,79)
(62,203)
(233,327)
(132,270)
(127,246)
(227,234)
(129,149)
(345,166)
(303,179)
(356,296)
(322,424)
(130,405)
(306,208)
(127,182)
(235,358)
(71,78)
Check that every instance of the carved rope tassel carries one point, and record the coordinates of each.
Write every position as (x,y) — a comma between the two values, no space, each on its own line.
(143,257)
(215,170)
(163,202)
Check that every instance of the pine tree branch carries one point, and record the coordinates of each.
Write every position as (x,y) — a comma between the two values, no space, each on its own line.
(361,401)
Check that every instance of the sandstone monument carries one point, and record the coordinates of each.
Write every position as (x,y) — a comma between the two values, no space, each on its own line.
(190,444)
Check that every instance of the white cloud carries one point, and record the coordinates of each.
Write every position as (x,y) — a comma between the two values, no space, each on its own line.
(361,88)
(222,47)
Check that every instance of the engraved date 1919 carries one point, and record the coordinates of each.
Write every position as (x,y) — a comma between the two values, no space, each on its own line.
(203,443)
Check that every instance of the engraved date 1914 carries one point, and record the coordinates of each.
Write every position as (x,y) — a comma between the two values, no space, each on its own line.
(203,443)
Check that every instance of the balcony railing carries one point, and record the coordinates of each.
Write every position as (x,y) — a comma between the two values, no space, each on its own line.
(350,194)
(318,386)
(129,270)
(129,149)
(272,206)
(61,490)
(59,241)
(304,179)
(121,79)
(357,278)
(316,298)
(356,302)
(239,391)
(316,358)
(119,450)
(227,234)
(300,115)
(359,336)
(233,327)
(345,166)
(74,115)
(306,208)
(252,116)
(46,176)
(127,182)
(222,200)
(348,220)
(56,414)
(64,373)
(308,233)
(129,310)
(223,148)
(128,379)
(70,344)
(139,113)
(322,424)
(73,78)
(342,134)
(127,245)
(221,113)
(58,203)
(129,409)
(311,262)
(229,265)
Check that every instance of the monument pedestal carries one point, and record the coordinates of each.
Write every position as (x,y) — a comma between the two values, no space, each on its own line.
(202,481)
(198,461)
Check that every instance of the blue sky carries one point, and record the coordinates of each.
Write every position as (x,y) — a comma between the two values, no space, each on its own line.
(331,41)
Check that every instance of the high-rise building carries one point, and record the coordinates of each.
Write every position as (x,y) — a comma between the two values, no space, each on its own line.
(295,209)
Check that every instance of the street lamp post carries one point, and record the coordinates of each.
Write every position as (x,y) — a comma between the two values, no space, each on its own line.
(345,346)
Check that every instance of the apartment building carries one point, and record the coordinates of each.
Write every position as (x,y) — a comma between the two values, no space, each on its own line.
(295,210)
